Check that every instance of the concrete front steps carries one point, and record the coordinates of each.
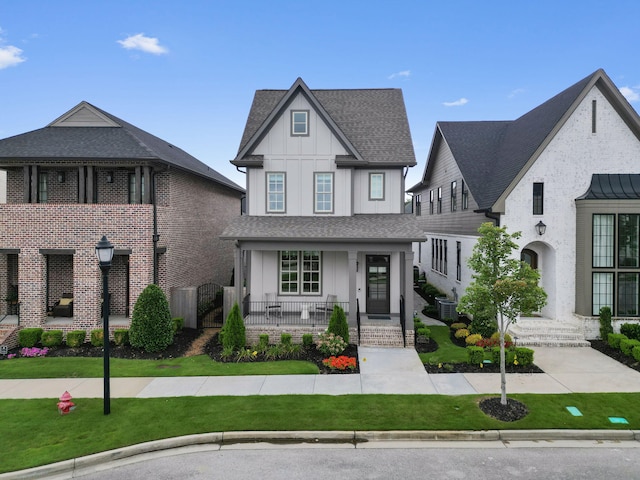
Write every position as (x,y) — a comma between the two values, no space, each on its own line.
(543,332)
(381,336)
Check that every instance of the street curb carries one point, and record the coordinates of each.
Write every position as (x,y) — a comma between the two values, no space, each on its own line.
(314,437)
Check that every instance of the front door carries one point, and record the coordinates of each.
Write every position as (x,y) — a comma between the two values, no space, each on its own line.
(378,284)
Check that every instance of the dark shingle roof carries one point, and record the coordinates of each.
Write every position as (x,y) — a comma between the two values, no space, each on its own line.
(123,142)
(373,121)
(358,228)
(613,187)
(491,154)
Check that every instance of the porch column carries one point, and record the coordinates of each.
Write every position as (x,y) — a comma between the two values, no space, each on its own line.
(138,193)
(146,198)
(408,289)
(237,279)
(353,294)
(82,179)
(89,184)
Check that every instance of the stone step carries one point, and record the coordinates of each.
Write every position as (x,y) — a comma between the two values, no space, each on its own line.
(381,336)
(548,333)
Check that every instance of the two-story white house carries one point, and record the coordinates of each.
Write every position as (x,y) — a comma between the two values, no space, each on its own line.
(325,222)
(566,175)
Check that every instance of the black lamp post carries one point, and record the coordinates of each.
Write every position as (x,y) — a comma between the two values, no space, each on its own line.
(104,252)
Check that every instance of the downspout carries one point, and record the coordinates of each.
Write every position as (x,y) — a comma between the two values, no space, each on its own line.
(490,215)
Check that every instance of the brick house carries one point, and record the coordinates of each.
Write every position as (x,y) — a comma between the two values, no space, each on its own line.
(566,175)
(325,219)
(89,174)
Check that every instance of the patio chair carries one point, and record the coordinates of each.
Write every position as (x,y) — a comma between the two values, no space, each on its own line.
(272,305)
(64,306)
(327,307)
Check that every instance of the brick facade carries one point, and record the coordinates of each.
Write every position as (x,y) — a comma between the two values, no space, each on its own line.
(56,242)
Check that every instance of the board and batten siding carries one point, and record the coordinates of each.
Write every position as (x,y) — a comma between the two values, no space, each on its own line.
(393,195)
(460,222)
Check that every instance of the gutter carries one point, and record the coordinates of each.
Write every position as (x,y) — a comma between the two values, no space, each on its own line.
(495,217)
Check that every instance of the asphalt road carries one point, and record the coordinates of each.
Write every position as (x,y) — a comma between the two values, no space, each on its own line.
(567,460)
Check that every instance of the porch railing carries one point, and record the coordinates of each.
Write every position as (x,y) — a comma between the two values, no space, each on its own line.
(307,313)
(358,318)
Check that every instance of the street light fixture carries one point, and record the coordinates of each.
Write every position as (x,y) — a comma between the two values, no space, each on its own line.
(104,252)
(541,228)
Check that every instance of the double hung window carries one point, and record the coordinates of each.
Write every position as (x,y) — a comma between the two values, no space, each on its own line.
(323,193)
(300,272)
(276,192)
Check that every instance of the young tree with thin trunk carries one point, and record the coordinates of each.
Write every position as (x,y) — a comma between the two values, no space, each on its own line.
(503,287)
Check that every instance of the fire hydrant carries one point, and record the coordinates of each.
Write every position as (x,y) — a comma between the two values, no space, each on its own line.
(65,405)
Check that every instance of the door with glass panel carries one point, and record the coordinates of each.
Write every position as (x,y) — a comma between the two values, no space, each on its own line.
(378,284)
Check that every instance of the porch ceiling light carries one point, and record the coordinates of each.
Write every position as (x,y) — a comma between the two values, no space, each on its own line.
(104,252)
(541,228)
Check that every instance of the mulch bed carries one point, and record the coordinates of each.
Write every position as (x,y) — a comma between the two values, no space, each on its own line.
(512,411)
(181,344)
(309,354)
(603,347)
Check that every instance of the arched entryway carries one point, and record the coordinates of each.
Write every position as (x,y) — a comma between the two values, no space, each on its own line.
(542,257)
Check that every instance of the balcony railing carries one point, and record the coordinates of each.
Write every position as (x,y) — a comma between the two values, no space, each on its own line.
(307,313)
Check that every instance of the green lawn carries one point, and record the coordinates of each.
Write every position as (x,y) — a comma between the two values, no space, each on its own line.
(201,365)
(447,352)
(32,433)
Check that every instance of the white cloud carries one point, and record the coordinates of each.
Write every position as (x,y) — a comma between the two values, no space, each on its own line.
(10,56)
(403,73)
(516,92)
(632,94)
(145,44)
(457,103)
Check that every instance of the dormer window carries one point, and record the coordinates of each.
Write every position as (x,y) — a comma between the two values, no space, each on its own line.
(299,122)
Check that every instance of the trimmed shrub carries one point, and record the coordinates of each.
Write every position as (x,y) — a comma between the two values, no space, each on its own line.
(28,337)
(524,356)
(605,323)
(473,339)
(614,340)
(307,339)
(338,323)
(233,331)
(76,338)
(636,353)
(263,342)
(417,324)
(51,338)
(151,325)
(509,355)
(458,325)
(496,337)
(483,326)
(424,332)
(178,324)
(626,345)
(462,333)
(631,330)
(475,355)
(431,292)
(430,311)
(121,336)
(97,337)
(285,338)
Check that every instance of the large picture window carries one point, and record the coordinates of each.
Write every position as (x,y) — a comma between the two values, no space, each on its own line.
(603,239)
(276,192)
(628,227)
(300,272)
(323,193)
(628,294)
(602,291)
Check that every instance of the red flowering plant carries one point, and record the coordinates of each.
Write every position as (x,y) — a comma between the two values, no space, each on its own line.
(340,363)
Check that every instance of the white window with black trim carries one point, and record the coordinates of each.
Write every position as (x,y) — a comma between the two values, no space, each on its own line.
(439,199)
(300,272)
(465,196)
(431,202)
(454,196)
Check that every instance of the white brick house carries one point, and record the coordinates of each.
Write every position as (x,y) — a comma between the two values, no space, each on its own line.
(325,212)
(572,163)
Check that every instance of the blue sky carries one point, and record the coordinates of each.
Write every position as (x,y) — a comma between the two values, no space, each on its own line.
(187,70)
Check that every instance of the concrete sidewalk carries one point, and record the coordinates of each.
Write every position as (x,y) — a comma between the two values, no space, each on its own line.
(382,371)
